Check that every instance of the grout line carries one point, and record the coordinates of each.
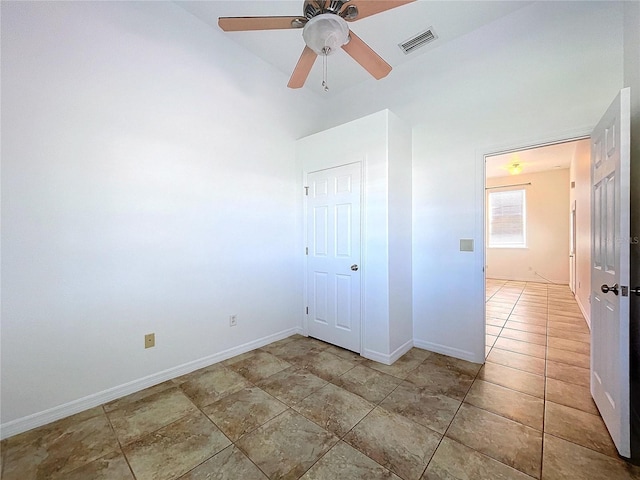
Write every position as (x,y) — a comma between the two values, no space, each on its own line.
(113,430)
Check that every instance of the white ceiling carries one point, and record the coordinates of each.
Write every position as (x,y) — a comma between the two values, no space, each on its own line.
(382,32)
(551,157)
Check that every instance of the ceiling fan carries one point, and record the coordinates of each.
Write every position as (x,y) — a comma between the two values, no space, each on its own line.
(324,29)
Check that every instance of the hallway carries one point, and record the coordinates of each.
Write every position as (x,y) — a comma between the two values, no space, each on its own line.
(537,347)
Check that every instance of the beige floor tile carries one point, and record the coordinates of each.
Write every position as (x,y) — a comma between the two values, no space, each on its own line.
(144,416)
(526,327)
(294,350)
(432,410)
(564,460)
(258,366)
(569,335)
(574,316)
(286,446)
(497,314)
(454,460)
(353,357)
(229,464)
(497,306)
(175,449)
(578,427)
(565,356)
(502,439)
(292,385)
(521,347)
(517,406)
(403,366)
(568,373)
(571,345)
(370,384)
(344,462)
(442,375)
(134,397)
(518,361)
(571,395)
(213,384)
(334,409)
(519,380)
(490,340)
(395,442)
(528,319)
(496,322)
(51,452)
(578,327)
(493,330)
(243,411)
(522,336)
(109,467)
(324,365)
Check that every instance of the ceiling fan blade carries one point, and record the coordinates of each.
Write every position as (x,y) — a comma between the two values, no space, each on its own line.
(365,56)
(366,8)
(303,67)
(237,24)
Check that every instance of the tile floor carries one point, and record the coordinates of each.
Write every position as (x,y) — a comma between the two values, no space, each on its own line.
(300,408)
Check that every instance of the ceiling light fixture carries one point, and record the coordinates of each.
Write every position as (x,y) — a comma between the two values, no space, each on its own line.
(515,168)
(325,34)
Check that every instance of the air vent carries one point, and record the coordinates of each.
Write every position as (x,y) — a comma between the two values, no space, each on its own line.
(417,41)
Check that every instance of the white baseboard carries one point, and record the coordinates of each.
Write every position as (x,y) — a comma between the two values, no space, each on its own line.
(39,419)
(585,312)
(385,358)
(449,351)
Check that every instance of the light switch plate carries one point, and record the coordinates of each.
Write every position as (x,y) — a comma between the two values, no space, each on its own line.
(466,244)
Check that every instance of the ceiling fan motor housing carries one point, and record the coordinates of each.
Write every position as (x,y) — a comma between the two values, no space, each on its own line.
(313,8)
(326,33)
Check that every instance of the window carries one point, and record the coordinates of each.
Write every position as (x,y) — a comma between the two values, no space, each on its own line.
(507,219)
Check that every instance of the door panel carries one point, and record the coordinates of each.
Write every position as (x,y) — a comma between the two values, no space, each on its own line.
(610,174)
(333,236)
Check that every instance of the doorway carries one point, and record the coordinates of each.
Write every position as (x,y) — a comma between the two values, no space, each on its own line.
(532,196)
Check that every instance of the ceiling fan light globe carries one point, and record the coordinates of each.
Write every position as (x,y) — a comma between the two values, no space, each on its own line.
(326,33)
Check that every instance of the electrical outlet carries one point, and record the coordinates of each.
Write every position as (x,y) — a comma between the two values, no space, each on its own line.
(150,340)
(233,320)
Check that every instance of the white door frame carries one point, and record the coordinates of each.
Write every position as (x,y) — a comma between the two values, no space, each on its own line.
(363,253)
(481,174)
(573,251)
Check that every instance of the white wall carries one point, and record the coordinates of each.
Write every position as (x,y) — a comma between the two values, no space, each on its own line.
(148,185)
(400,254)
(546,256)
(581,195)
(506,85)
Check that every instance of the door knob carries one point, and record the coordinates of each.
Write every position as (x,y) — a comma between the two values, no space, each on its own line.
(606,289)
(636,291)
(354,267)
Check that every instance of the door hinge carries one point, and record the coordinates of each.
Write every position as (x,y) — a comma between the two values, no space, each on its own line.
(306,250)
(307,310)
(306,191)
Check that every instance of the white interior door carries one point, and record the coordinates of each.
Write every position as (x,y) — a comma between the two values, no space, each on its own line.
(333,262)
(610,165)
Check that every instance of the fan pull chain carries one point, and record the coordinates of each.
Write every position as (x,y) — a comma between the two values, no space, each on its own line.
(325,85)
